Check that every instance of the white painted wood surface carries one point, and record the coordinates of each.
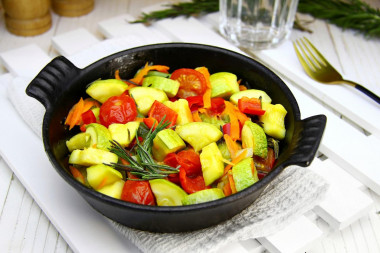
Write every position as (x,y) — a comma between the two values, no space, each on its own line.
(25,228)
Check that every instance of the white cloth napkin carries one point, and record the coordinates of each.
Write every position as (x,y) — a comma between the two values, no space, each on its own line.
(294,192)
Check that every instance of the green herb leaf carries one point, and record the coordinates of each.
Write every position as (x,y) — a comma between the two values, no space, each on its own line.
(142,165)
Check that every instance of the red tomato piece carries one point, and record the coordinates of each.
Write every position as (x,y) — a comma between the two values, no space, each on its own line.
(117,109)
(191,184)
(192,82)
(190,161)
(150,122)
(171,160)
(250,106)
(158,111)
(138,192)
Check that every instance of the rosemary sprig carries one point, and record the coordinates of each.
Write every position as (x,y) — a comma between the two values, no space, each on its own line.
(193,8)
(142,164)
(347,14)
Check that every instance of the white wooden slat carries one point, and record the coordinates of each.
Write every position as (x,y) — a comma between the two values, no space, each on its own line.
(299,236)
(373,238)
(334,174)
(26,61)
(195,32)
(32,226)
(359,237)
(74,41)
(252,246)
(120,26)
(5,181)
(19,238)
(344,202)
(9,217)
(51,239)
(353,48)
(235,247)
(342,206)
(43,227)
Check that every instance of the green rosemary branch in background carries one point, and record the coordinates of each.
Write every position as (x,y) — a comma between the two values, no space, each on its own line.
(193,8)
(347,14)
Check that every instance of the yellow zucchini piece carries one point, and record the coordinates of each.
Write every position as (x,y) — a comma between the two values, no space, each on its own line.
(199,134)
(212,163)
(274,120)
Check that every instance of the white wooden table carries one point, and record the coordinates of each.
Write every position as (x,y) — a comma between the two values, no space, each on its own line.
(24,227)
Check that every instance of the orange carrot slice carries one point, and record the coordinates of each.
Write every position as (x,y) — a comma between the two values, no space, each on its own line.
(232,182)
(235,127)
(196,117)
(207,94)
(236,160)
(77,174)
(77,114)
(231,145)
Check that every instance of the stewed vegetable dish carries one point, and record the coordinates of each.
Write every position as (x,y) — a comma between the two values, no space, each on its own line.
(173,137)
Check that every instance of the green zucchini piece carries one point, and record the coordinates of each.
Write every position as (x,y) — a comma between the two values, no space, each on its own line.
(203,196)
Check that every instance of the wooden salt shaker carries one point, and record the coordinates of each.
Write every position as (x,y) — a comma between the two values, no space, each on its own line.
(26,17)
(72,8)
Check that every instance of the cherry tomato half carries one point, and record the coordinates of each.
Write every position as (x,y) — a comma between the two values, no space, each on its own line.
(192,82)
(117,109)
(138,192)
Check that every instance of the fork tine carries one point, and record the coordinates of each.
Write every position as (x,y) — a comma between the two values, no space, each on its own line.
(310,63)
(311,55)
(303,61)
(316,51)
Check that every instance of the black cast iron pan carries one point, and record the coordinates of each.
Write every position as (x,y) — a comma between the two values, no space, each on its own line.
(60,84)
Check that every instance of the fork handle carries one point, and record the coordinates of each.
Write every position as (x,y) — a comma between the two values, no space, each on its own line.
(365,91)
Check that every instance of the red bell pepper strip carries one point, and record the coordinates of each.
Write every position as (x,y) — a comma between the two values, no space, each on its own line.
(196,102)
(217,105)
(158,111)
(250,106)
(88,117)
(191,184)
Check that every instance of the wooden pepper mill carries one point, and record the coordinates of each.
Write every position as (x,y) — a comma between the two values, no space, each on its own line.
(72,8)
(26,17)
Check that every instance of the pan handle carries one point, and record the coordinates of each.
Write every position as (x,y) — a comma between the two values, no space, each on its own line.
(50,82)
(307,137)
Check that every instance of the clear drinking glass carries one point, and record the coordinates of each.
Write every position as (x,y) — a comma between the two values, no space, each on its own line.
(257,24)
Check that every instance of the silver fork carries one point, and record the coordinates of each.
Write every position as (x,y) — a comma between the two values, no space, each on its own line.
(318,68)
